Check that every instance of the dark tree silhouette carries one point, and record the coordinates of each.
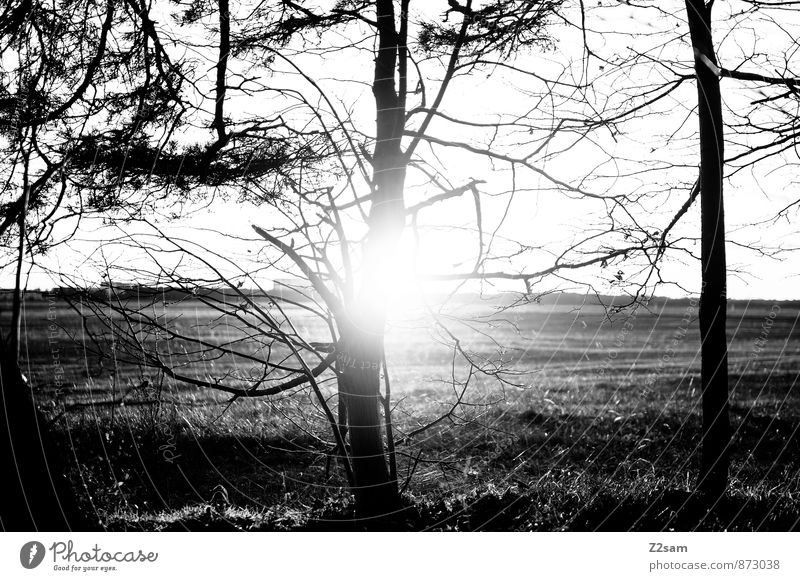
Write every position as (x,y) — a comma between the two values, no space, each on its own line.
(715,458)
(752,139)
(342,247)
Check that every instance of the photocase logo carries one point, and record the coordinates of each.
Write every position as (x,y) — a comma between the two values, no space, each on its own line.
(31,554)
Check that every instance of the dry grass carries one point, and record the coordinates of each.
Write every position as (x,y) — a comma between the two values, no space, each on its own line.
(601,433)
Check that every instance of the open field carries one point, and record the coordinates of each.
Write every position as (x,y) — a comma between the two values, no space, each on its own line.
(597,427)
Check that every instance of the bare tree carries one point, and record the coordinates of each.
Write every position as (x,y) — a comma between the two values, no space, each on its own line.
(624,96)
(713,297)
(339,217)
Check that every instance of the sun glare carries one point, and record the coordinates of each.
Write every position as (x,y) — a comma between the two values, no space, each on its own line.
(403,284)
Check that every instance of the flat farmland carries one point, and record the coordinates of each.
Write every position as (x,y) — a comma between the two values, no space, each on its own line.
(570,418)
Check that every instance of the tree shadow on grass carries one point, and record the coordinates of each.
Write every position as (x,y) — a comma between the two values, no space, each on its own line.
(678,510)
(512,510)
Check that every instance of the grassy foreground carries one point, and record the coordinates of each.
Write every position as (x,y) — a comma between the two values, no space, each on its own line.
(600,432)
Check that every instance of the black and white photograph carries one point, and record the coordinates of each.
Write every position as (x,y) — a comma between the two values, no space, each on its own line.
(381,266)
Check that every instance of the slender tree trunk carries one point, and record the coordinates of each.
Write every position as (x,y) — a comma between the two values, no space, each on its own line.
(713,300)
(35,492)
(363,333)
(359,383)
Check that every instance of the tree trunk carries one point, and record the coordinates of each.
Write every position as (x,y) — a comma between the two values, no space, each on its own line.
(361,345)
(359,384)
(715,459)
(35,492)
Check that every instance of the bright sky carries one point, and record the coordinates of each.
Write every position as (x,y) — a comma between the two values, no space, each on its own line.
(537,216)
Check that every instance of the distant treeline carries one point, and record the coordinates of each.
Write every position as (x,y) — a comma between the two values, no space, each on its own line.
(131,291)
(134,291)
(658,302)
